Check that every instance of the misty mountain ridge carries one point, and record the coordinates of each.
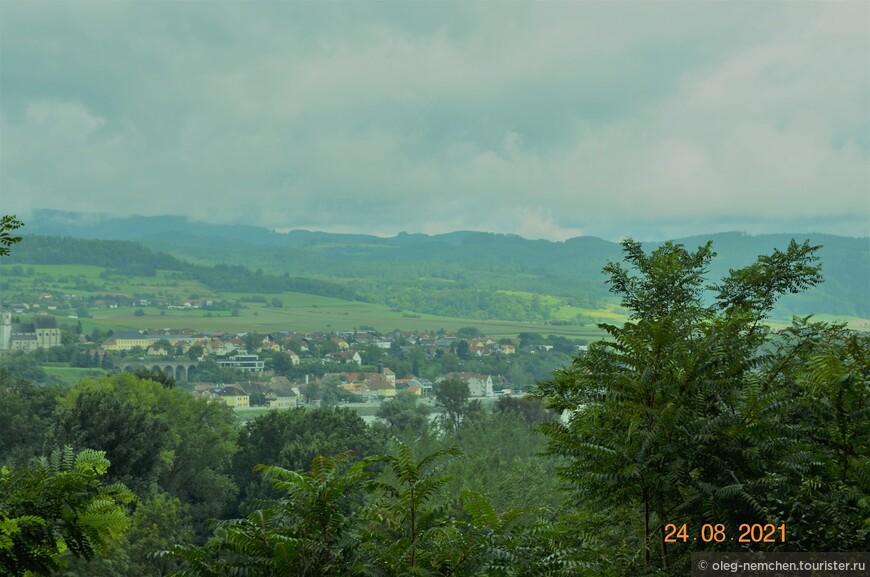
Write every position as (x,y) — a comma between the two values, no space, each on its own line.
(482,261)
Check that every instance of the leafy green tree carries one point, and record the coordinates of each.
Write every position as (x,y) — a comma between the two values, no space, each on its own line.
(136,352)
(406,514)
(8,223)
(403,413)
(328,391)
(56,506)
(452,395)
(157,523)
(157,376)
(503,460)
(292,439)
(160,438)
(282,363)
(198,457)
(130,434)
(529,339)
(26,417)
(532,411)
(139,312)
(372,355)
(195,352)
(22,366)
(667,418)
(252,341)
(294,345)
(468,333)
(416,529)
(462,350)
(822,375)
(208,371)
(308,532)
(67,336)
(326,523)
(449,362)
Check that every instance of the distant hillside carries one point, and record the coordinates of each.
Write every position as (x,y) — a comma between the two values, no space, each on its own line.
(133,259)
(465,273)
(139,228)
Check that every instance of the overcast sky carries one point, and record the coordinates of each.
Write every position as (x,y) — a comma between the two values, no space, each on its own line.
(551,120)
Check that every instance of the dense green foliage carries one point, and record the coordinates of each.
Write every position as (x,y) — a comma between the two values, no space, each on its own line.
(156,439)
(696,413)
(403,413)
(8,223)
(26,417)
(693,412)
(343,519)
(157,523)
(58,505)
(292,439)
(452,395)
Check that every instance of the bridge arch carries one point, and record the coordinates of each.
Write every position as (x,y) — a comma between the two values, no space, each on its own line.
(180,370)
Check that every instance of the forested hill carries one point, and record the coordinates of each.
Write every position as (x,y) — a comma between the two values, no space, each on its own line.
(134,259)
(463,272)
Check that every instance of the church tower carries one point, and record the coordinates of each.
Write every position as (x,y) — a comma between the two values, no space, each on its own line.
(6,330)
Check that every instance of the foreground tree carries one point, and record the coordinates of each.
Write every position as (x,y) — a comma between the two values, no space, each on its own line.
(323,525)
(58,506)
(675,421)
(26,417)
(156,438)
(8,223)
(308,531)
(291,440)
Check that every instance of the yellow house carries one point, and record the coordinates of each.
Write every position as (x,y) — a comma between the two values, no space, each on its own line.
(282,399)
(126,341)
(232,396)
(355,388)
(387,392)
(382,385)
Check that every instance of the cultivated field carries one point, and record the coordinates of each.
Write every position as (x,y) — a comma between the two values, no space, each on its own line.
(297,316)
(300,312)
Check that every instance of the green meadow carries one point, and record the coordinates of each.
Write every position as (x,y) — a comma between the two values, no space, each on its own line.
(562,311)
(86,280)
(71,375)
(299,312)
(302,314)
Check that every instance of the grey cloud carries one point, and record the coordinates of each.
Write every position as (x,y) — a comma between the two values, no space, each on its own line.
(546,120)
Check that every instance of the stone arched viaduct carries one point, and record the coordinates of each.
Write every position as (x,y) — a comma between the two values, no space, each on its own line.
(181,370)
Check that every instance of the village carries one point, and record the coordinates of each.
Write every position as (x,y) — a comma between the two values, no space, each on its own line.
(289,369)
(154,349)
